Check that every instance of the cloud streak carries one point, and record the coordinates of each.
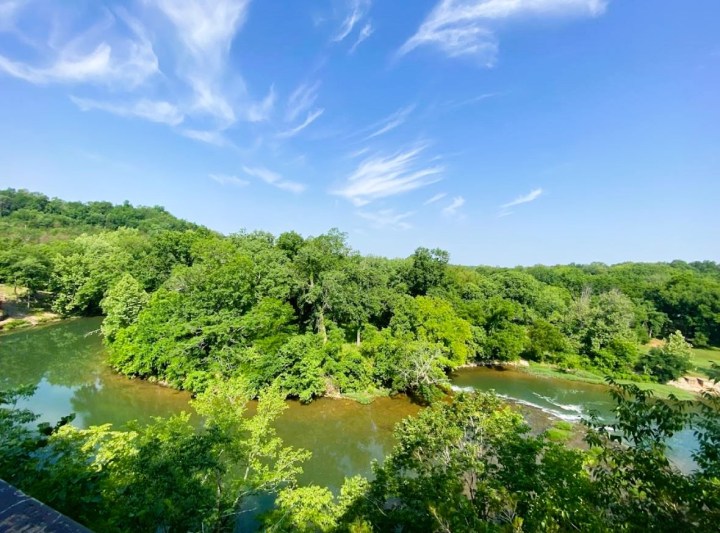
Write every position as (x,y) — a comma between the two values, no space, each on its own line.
(206,29)
(357,9)
(381,176)
(154,111)
(274,179)
(311,117)
(387,218)
(451,209)
(527,198)
(126,62)
(468,27)
(363,34)
(391,122)
(435,198)
(224,179)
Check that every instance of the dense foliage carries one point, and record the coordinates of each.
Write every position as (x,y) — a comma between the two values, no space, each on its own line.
(166,476)
(468,465)
(184,305)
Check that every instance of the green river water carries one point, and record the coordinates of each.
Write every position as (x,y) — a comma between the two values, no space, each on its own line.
(66,363)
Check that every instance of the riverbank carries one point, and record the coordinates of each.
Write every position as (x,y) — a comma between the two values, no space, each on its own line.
(659,389)
(15,313)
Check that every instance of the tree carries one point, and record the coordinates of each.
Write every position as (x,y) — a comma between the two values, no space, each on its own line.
(122,305)
(427,270)
(165,476)
(668,362)
(471,465)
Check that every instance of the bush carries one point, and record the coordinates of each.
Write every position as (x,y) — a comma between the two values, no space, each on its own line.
(669,362)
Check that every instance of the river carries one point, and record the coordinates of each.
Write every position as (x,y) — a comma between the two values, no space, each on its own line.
(66,363)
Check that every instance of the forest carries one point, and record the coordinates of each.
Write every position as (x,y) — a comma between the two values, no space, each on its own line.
(256,316)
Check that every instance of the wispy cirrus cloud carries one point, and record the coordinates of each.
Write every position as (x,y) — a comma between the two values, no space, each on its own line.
(387,218)
(468,27)
(311,117)
(274,179)
(435,198)
(302,102)
(356,12)
(206,29)
(260,111)
(524,199)
(116,50)
(152,110)
(8,10)
(206,136)
(224,179)
(365,33)
(451,209)
(381,176)
(119,61)
(390,122)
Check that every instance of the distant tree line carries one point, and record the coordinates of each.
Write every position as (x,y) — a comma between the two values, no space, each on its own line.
(185,305)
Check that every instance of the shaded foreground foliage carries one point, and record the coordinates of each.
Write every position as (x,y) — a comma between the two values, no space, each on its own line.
(165,476)
(466,465)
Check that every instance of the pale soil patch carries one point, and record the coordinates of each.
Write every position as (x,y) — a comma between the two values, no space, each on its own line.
(695,384)
(15,313)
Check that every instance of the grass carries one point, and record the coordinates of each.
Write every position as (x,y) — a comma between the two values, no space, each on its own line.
(550,371)
(561,431)
(702,359)
(660,390)
(366,397)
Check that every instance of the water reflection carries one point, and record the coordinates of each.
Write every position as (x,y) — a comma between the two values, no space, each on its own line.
(66,362)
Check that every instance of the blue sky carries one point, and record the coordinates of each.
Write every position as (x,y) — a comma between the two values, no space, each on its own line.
(505,131)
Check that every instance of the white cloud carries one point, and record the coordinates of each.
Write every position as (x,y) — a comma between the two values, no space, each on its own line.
(467,27)
(154,111)
(311,117)
(224,179)
(203,91)
(206,29)
(207,136)
(385,218)
(452,208)
(391,122)
(381,176)
(8,10)
(274,179)
(260,111)
(300,102)
(357,9)
(454,104)
(435,198)
(363,34)
(125,62)
(529,197)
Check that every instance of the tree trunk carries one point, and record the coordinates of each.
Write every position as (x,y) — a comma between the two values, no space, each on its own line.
(321,326)
(357,342)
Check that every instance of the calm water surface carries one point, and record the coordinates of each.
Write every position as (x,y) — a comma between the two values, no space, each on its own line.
(66,362)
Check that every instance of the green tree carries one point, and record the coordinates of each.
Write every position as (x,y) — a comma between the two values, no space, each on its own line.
(122,305)
(427,270)
(668,362)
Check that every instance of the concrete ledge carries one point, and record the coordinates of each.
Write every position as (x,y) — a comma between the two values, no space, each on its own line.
(21,513)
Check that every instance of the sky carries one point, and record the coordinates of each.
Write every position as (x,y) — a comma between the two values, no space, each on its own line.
(508,132)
